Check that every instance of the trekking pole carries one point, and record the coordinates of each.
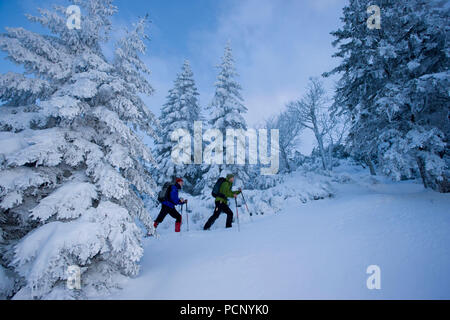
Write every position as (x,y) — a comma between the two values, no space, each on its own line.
(181,218)
(187,217)
(237,215)
(245,202)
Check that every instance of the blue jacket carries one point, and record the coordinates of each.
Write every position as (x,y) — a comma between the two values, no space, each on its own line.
(173,197)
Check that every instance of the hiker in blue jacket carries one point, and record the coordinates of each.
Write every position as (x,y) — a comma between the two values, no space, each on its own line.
(168,205)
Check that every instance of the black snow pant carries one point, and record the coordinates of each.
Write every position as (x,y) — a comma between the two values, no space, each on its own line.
(220,207)
(168,210)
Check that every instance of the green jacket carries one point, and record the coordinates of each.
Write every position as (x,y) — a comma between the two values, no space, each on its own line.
(225,189)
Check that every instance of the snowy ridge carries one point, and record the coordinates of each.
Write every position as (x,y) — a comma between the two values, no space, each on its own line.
(313,250)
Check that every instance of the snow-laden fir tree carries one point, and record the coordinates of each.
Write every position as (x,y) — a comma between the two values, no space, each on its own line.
(71,166)
(394,85)
(180,111)
(226,111)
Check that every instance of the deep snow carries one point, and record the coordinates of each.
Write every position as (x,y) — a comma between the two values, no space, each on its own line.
(317,250)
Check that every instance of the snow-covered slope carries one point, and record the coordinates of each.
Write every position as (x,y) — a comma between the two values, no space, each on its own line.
(318,249)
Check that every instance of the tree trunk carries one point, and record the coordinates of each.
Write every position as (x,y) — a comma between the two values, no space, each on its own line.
(320,143)
(423,172)
(322,154)
(371,166)
(285,158)
(330,156)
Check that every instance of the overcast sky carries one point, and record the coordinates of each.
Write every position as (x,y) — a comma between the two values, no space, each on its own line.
(278,44)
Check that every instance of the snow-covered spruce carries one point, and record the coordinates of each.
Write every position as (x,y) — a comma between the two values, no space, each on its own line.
(394,85)
(226,111)
(72,167)
(181,110)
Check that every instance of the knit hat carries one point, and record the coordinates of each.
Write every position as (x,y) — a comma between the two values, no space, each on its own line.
(178,180)
(229,176)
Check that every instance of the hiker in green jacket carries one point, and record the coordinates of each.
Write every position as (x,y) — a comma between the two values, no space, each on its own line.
(222,203)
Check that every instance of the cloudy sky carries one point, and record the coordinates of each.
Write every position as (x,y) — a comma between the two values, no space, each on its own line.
(278,44)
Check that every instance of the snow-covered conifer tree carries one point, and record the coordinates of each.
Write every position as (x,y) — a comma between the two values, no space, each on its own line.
(394,85)
(226,112)
(180,111)
(71,165)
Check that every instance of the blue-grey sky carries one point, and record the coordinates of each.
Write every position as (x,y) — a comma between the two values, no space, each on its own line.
(278,44)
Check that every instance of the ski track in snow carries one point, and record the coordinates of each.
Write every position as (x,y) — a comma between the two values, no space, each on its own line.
(318,250)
